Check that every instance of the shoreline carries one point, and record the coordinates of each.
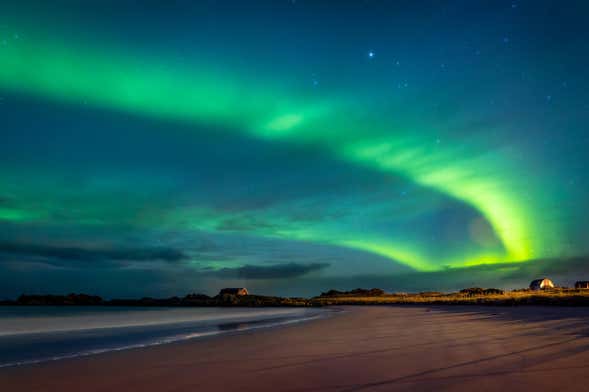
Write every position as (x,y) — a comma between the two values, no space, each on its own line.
(556,296)
(171,331)
(364,348)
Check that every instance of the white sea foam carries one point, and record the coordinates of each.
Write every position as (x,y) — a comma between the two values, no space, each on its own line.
(101,317)
(244,326)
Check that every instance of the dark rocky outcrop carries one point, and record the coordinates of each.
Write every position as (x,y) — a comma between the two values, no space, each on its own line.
(70,299)
(472,291)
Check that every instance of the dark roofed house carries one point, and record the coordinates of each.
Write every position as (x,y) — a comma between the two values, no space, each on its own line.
(234,291)
(582,284)
(541,284)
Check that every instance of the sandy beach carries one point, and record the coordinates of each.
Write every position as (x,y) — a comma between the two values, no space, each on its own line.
(382,348)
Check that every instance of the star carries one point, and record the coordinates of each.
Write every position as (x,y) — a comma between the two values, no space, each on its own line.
(314,79)
(371,54)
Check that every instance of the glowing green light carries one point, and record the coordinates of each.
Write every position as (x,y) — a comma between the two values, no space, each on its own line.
(284,122)
(9,214)
(120,82)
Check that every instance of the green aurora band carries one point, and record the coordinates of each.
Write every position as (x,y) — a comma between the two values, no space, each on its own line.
(113,80)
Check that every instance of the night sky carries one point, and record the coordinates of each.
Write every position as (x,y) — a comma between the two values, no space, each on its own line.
(159,148)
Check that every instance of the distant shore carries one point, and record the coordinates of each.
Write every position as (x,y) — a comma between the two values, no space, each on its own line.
(470,296)
(372,348)
(33,334)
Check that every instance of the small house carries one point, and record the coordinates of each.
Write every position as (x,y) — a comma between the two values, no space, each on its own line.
(234,291)
(541,284)
(582,284)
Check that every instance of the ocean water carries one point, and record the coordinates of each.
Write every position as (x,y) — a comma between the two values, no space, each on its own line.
(35,334)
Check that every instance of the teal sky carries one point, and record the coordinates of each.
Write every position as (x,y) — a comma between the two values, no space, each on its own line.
(291,146)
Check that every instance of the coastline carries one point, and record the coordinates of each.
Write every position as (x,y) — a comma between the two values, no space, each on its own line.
(68,333)
(555,296)
(456,348)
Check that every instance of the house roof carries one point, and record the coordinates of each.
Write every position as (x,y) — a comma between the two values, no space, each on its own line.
(233,290)
(541,282)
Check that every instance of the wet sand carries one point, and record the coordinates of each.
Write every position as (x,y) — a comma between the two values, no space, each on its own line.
(385,348)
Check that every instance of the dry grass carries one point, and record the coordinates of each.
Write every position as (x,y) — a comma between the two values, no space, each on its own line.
(569,297)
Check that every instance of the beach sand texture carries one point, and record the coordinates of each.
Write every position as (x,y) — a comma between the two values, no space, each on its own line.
(380,348)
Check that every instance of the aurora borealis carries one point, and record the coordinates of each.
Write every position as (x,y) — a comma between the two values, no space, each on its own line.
(291,146)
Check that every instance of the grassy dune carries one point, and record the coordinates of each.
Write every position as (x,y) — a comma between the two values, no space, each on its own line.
(570,297)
